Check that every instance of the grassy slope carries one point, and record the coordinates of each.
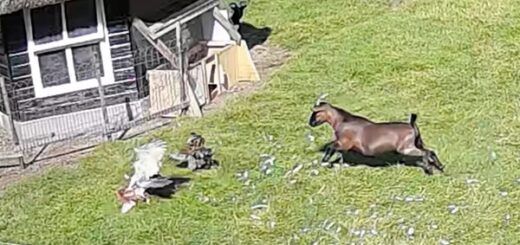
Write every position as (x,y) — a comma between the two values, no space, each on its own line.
(455,63)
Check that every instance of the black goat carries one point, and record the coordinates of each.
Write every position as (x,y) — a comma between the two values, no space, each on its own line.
(238,11)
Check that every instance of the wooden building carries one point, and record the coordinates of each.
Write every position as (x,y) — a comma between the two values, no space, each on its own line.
(53,54)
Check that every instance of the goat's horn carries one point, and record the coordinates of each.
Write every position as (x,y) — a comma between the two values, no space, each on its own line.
(320,99)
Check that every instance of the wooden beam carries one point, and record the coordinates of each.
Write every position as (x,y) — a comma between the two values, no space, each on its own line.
(158,44)
(227,25)
(192,11)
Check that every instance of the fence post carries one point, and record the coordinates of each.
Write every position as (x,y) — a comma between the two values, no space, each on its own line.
(104,111)
(7,106)
(12,128)
(180,60)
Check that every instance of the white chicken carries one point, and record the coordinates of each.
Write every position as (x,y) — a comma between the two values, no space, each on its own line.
(146,179)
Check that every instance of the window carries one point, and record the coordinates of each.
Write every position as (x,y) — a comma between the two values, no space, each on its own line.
(68,47)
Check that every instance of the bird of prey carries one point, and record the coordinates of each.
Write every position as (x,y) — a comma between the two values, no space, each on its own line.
(194,155)
(238,11)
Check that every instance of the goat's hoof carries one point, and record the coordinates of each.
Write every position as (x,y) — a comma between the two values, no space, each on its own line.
(428,171)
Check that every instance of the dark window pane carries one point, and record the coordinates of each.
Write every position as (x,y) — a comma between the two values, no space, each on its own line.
(80,17)
(46,24)
(53,68)
(86,59)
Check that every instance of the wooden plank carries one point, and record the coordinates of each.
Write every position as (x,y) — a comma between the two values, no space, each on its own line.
(164,90)
(246,67)
(205,82)
(218,76)
(227,25)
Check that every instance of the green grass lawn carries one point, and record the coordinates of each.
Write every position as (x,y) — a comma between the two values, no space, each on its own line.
(455,63)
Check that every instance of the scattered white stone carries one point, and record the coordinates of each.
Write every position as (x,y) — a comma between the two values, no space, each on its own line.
(269,171)
(243,175)
(507,217)
(292,182)
(410,231)
(453,209)
(271,224)
(204,199)
(315,172)
(325,164)
(518,181)
(434,226)
(362,233)
(305,230)
(503,193)
(338,229)
(472,181)
(492,156)
(409,199)
(444,242)
(327,227)
(374,232)
(297,168)
(294,170)
(268,137)
(419,199)
(255,217)
(310,137)
(353,211)
(259,206)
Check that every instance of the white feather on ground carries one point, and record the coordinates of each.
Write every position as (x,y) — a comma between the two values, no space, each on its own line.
(148,161)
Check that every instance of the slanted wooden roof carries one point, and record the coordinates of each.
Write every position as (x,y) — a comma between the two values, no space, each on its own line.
(9,6)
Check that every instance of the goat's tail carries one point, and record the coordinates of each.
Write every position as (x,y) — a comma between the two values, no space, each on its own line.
(418,140)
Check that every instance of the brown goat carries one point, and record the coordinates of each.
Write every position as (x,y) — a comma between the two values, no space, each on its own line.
(361,135)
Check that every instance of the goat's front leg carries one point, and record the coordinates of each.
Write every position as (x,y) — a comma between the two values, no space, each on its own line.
(329,152)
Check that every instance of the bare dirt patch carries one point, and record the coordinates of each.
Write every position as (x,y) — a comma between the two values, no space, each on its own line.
(267,58)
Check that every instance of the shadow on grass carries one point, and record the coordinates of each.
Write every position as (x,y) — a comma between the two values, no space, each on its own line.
(253,35)
(384,160)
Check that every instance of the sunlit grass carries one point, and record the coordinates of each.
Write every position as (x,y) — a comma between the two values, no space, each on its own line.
(455,63)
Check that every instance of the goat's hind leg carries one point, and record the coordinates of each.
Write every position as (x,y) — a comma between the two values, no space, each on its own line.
(416,152)
(433,159)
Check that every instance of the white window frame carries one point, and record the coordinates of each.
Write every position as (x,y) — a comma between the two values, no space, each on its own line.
(100,37)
